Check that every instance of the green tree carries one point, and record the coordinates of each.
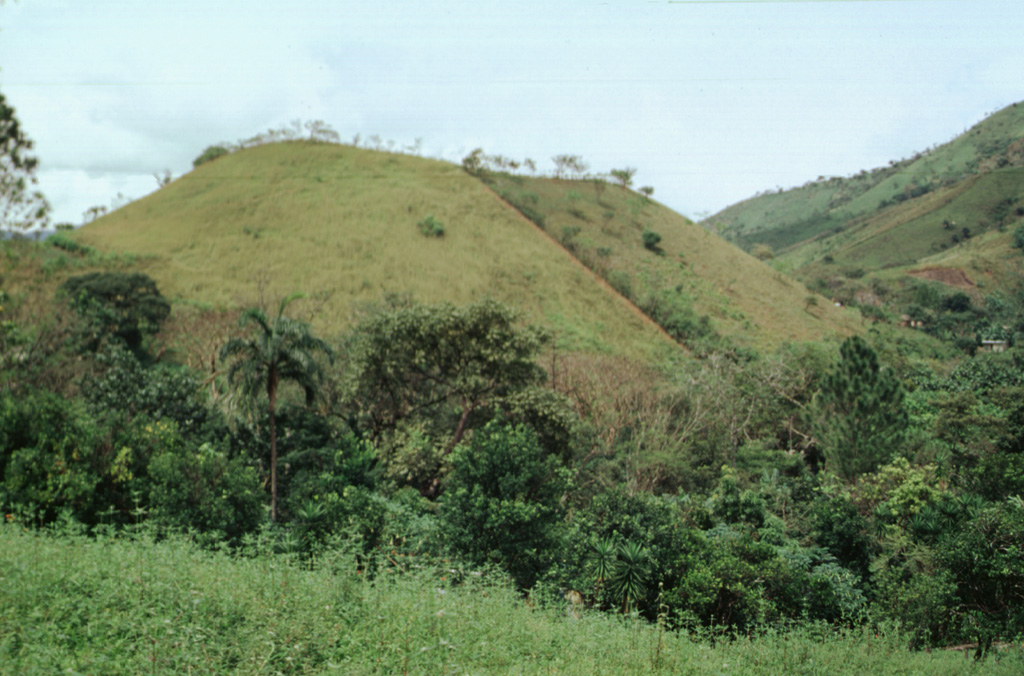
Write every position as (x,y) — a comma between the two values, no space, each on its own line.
(413,360)
(281,349)
(124,305)
(624,177)
(20,206)
(502,503)
(858,417)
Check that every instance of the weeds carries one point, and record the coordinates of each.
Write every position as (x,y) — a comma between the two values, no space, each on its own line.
(143,605)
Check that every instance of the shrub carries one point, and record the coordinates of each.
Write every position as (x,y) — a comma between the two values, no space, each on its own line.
(1018,236)
(651,240)
(47,463)
(211,153)
(431,227)
(63,241)
(502,502)
(202,488)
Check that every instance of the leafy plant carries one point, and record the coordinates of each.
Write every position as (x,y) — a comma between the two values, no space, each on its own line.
(282,349)
(651,241)
(431,227)
(629,575)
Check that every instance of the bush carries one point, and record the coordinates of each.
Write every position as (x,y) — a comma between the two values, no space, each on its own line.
(651,240)
(431,227)
(502,502)
(48,459)
(119,304)
(63,241)
(202,489)
(211,153)
(1018,236)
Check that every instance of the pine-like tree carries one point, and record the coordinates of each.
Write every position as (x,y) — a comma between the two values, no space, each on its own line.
(858,416)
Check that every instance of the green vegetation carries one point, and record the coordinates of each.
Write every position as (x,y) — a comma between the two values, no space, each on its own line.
(138,606)
(210,154)
(495,464)
(21,207)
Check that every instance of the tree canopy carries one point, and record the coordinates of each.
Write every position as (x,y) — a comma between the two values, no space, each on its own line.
(21,206)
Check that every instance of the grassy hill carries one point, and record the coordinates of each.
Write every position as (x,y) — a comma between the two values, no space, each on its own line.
(341,222)
(945,215)
(828,206)
(696,285)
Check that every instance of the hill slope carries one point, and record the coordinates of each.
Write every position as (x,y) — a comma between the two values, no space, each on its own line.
(699,287)
(943,217)
(342,222)
(825,207)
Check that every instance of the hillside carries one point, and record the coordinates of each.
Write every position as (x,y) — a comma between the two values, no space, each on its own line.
(828,206)
(902,238)
(341,223)
(703,290)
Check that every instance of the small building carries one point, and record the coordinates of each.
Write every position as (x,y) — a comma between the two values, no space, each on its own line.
(994,345)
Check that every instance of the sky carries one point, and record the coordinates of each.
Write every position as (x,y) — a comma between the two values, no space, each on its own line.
(711,101)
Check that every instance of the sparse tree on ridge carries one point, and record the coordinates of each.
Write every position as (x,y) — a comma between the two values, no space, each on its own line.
(624,177)
(282,349)
(321,131)
(569,165)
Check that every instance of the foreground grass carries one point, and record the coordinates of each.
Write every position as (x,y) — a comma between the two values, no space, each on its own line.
(72,605)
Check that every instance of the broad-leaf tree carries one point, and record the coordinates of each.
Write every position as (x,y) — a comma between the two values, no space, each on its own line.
(21,207)
(281,349)
(413,360)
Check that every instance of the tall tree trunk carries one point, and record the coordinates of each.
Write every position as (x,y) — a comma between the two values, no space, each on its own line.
(272,398)
(460,430)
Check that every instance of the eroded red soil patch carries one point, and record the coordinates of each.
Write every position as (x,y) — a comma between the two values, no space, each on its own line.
(949,276)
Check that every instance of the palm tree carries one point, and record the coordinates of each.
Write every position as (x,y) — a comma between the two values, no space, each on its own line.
(282,349)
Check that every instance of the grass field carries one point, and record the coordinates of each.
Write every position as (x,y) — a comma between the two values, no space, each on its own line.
(106,607)
(340,223)
(603,225)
